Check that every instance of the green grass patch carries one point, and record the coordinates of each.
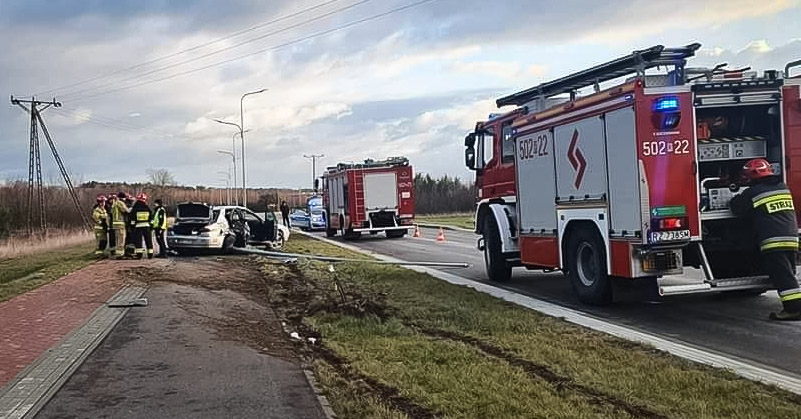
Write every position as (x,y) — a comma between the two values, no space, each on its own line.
(21,274)
(455,220)
(456,352)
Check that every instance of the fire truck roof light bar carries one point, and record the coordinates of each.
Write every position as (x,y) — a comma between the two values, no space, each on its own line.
(637,61)
(390,162)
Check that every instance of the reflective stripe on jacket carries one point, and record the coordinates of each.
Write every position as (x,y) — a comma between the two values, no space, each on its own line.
(160,219)
(141,215)
(118,211)
(100,218)
(770,208)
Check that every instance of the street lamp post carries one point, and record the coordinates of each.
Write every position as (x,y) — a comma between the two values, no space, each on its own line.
(228,185)
(241,128)
(233,160)
(314,158)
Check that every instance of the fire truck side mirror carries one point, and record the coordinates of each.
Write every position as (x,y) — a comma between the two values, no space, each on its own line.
(470,151)
(470,158)
(316,184)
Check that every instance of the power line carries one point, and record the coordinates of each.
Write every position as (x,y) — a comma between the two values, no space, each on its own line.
(110,123)
(276,47)
(228,48)
(195,48)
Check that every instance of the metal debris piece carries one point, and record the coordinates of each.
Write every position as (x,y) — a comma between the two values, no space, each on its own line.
(139,302)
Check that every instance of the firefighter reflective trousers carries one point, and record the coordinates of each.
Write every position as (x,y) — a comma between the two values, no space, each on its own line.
(780,266)
(101,239)
(160,240)
(119,237)
(143,234)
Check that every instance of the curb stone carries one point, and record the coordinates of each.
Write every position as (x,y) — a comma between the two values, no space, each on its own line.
(32,388)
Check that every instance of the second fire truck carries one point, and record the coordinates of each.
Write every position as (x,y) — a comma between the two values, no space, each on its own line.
(633,181)
(370,197)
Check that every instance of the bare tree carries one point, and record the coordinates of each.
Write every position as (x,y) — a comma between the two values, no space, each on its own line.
(161,177)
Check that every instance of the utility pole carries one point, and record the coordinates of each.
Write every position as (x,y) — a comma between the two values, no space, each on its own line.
(34,108)
(314,158)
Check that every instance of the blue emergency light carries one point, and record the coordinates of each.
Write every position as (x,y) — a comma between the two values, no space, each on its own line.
(666,104)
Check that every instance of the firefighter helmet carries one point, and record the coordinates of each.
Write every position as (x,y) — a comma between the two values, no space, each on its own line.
(757,169)
(122,195)
(100,199)
(142,197)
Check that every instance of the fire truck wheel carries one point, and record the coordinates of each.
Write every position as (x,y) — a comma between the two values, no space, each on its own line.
(498,268)
(347,234)
(587,267)
(330,232)
(396,234)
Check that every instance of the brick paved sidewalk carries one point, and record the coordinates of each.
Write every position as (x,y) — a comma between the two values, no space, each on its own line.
(32,323)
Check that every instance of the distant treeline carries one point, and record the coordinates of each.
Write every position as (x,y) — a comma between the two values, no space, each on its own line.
(433,196)
(443,195)
(61,214)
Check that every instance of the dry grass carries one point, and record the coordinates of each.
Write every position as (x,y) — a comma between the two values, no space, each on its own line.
(21,274)
(20,246)
(456,220)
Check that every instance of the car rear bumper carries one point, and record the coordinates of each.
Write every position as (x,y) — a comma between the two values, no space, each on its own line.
(195,242)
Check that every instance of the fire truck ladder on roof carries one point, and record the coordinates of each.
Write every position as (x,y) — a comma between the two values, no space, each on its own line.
(636,62)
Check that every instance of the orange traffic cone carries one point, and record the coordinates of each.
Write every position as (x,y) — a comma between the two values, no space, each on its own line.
(441,236)
(417,232)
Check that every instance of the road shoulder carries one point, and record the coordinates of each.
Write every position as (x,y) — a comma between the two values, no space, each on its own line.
(202,348)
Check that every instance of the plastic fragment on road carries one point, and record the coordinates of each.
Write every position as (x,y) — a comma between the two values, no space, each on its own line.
(294,335)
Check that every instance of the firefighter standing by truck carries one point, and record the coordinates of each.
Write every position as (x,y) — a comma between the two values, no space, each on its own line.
(768,205)
(119,212)
(141,217)
(159,224)
(101,228)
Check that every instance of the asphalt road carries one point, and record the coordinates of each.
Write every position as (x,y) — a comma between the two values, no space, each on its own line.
(736,326)
(176,359)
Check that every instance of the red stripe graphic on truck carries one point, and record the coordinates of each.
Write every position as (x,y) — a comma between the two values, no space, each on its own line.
(576,159)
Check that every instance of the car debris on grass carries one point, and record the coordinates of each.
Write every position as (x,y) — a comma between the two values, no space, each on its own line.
(403,344)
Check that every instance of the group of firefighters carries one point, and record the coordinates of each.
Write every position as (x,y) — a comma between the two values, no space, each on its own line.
(124,226)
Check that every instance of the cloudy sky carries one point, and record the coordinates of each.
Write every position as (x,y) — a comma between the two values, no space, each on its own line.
(142,81)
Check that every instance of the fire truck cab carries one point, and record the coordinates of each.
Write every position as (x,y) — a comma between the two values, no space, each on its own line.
(370,197)
(633,181)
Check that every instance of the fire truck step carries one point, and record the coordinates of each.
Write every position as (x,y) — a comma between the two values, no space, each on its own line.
(743,283)
(728,284)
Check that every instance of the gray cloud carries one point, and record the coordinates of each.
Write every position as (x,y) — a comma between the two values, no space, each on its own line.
(355,94)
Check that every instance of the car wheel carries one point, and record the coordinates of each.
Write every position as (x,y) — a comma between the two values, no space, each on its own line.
(587,267)
(279,241)
(498,268)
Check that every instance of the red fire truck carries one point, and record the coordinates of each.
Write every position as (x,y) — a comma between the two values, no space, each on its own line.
(369,197)
(633,181)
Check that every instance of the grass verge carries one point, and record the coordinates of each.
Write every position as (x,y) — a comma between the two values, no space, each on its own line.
(395,343)
(21,274)
(456,220)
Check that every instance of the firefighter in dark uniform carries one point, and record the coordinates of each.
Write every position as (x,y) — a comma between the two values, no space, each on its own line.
(141,216)
(130,230)
(159,224)
(768,205)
